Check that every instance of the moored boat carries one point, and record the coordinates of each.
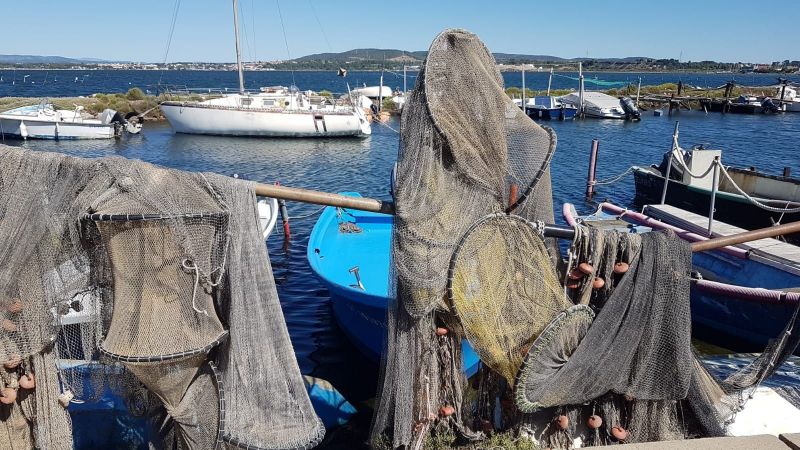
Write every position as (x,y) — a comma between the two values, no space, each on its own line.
(601,106)
(742,296)
(549,108)
(44,121)
(744,197)
(350,252)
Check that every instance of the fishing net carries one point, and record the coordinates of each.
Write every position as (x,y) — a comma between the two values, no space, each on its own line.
(136,279)
(465,151)
(631,374)
(504,290)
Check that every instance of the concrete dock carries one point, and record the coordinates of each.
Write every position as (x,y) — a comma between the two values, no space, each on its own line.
(760,442)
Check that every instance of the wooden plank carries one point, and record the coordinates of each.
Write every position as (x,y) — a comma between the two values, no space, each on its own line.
(699,224)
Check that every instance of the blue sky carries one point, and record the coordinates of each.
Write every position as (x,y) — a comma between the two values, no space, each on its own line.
(137,30)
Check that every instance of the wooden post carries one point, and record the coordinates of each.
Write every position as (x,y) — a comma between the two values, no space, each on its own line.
(590,177)
(638,90)
(524,110)
(787,172)
(680,88)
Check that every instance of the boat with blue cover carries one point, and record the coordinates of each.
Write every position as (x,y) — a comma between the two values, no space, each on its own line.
(743,295)
(349,251)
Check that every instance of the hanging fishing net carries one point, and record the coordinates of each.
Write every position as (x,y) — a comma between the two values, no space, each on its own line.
(631,373)
(503,289)
(465,151)
(138,280)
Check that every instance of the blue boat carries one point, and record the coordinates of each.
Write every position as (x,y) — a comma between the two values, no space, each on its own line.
(745,294)
(549,108)
(349,250)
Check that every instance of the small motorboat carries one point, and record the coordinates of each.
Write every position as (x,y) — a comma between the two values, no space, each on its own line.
(742,296)
(349,251)
(694,194)
(549,108)
(44,121)
(602,106)
(744,104)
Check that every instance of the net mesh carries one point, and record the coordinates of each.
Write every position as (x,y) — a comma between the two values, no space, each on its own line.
(465,151)
(504,290)
(120,275)
(634,364)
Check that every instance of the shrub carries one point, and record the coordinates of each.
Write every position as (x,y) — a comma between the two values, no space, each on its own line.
(135,94)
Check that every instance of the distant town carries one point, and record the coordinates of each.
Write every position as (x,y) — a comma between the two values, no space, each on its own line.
(389,59)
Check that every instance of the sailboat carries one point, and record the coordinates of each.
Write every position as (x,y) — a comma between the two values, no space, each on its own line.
(272,112)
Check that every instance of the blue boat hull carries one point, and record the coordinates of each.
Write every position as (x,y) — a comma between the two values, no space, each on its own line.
(334,254)
(552,113)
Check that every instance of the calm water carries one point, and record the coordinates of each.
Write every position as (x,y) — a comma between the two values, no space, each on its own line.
(767,142)
(64,83)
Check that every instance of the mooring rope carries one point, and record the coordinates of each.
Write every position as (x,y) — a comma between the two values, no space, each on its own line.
(756,202)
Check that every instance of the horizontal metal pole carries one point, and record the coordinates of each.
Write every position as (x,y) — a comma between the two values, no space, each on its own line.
(556,231)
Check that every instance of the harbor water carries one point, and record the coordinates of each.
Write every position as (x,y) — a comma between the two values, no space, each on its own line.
(766,142)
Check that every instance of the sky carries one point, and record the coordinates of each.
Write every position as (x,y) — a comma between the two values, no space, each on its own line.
(730,31)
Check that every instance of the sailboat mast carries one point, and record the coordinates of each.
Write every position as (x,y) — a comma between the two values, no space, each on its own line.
(238,50)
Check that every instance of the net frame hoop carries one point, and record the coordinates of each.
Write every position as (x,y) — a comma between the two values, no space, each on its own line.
(539,173)
(164,358)
(544,339)
(99,217)
(451,269)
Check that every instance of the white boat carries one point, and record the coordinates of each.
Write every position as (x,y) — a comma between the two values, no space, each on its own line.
(267,215)
(788,97)
(596,104)
(374,91)
(44,121)
(274,112)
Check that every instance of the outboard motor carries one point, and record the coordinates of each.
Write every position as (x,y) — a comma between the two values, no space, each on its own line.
(769,106)
(631,111)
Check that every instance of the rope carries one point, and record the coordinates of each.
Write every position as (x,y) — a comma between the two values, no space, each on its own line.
(306,216)
(613,179)
(756,202)
(686,168)
(169,38)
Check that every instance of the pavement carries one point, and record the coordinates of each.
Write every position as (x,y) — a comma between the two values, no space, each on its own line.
(760,442)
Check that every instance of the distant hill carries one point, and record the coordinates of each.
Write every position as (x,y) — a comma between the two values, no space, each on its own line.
(37,59)
(394,55)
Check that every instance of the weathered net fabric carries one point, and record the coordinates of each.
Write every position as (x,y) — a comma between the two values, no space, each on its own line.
(504,290)
(633,366)
(169,272)
(465,151)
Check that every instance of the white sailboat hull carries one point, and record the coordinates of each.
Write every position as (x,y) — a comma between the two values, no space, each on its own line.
(194,118)
(31,128)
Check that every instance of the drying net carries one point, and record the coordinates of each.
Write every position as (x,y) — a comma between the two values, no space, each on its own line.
(504,290)
(465,151)
(150,283)
(631,374)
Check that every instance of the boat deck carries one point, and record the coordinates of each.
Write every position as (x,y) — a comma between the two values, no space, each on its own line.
(768,251)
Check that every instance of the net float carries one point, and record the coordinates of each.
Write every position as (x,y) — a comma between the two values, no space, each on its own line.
(562,421)
(576,274)
(27,381)
(594,422)
(621,267)
(573,284)
(441,331)
(446,411)
(619,433)
(598,282)
(8,396)
(586,268)
(8,325)
(15,306)
(13,362)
